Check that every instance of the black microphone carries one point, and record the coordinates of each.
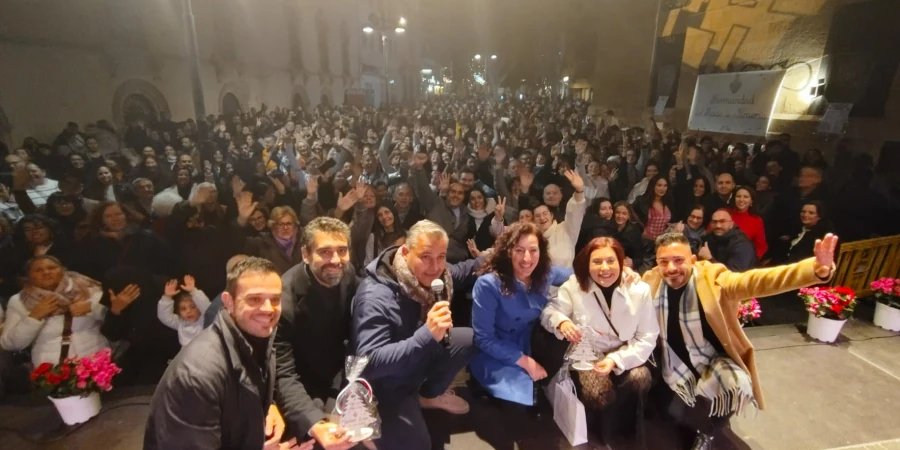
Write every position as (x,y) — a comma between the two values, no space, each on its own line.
(437,288)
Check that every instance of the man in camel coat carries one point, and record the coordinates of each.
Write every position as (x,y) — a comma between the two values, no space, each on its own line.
(705,358)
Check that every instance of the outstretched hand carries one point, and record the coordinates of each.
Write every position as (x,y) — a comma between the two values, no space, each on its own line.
(575,179)
(824,251)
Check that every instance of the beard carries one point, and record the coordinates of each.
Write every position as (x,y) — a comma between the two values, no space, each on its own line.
(330,275)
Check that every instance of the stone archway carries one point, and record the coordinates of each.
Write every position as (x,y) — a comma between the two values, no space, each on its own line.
(230,104)
(299,98)
(137,100)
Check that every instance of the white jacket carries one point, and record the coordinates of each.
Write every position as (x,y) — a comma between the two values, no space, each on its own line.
(561,237)
(632,314)
(45,336)
(187,331)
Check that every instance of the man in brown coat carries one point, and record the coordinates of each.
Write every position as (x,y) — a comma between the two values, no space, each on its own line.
(705,358)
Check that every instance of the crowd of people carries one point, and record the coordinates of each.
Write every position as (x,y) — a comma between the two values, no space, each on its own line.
(319,233)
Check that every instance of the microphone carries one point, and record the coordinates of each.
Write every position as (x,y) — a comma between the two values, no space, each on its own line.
(437,288)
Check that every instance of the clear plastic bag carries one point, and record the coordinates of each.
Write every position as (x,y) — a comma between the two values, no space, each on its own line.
(582,355)
(356,405)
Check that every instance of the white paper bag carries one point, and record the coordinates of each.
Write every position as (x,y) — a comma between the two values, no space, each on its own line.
(568,411)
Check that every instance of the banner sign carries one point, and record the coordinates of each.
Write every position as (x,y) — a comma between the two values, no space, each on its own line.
(736,103)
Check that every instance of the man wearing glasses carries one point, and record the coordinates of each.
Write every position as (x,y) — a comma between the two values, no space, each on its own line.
(310,344)
(218,392)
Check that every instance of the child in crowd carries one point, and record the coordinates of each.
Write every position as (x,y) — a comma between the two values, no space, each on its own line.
(182,309)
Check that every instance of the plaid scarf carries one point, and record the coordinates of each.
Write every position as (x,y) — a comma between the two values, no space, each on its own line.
(722,381)
(73,287)
(411,287)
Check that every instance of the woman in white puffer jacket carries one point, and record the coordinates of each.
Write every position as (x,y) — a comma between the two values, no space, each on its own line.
(35,316)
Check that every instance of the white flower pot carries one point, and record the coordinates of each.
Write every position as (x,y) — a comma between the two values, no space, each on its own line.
(887,317)
(822,329)
(75,410)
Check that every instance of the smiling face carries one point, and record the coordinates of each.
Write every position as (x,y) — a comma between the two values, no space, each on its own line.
(604,266)
(809,216)
(675,263)
(76,160)
(661,188)
(762,184)
(651,171)
(427,260)
(526,215)
(327,257)
(699,188)
(456,195)
(552,195)
(385,217)
(525,256)
(695,219)
(543,217)
(721,223)
(742,200)
(256,304)
(476,201)
(622,215)
(37,233)
(606,209)
(114,218)
(725,184)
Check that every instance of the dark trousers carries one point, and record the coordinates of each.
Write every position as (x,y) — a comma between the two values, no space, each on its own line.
(402,424)
(695,418)
(548,351)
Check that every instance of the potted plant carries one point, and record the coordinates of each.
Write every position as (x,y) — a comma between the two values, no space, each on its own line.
(887,303)
(829,308)
(74,386)
(749,311)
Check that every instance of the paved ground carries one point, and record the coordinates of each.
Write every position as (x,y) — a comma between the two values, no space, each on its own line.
(820,397)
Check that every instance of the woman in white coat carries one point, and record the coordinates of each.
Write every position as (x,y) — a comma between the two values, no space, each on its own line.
(625,324)
(35,316)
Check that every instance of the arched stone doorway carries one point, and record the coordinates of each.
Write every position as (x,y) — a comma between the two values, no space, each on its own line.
(230,104)
(137,100)
(299,98)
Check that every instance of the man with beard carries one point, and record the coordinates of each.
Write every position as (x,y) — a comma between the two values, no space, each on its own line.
(451,214)
(217,393)
(310,343)
(707,362)
(728,245)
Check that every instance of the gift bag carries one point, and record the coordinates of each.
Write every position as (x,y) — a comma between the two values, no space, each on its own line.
(568,411)
(356,405)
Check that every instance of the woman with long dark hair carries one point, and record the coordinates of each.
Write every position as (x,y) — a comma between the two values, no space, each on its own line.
(508,299)
(815,226)
(67,212)
(624,317)
(484,225)
(628,232)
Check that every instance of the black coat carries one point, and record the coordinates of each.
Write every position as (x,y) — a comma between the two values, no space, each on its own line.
(266,247)
(805,248)
(733,249)
(482,235)
(593,226)
(310,345)
(632,242)
(213,395)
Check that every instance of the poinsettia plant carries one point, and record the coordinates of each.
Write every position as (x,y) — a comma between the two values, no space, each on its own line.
(831,303)
(749,310)
(887,291)
(76,376)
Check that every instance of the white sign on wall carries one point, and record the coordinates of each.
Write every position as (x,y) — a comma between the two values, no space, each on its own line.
(736,103)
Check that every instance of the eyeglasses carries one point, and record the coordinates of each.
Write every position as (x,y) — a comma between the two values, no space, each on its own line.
(285,225)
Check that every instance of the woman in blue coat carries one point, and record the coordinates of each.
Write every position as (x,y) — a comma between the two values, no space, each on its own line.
(508,299)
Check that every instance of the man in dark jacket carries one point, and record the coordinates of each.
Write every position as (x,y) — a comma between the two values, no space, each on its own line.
(452,213)
(724,195)
(217,393)
(310,344)
(399,324)
(728,245)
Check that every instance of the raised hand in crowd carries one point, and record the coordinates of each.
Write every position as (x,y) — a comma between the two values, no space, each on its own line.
(171,288)
(473,249)
(203,194)
(245,206)
(704,253)
(500,209)
(824,252)
(346,202)
(575,180)
(278,185)
(189,284)
(118,302)
(312,186)
(499,156)
(444,186)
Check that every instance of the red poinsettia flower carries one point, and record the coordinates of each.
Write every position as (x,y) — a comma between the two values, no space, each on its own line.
(844,291)
(837,308)
(40,370)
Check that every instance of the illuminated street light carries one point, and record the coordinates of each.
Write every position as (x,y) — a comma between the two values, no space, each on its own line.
(402,22)
(400,30)
(477,56)
(426,71)
(368,30)
(493,56)
(565,79)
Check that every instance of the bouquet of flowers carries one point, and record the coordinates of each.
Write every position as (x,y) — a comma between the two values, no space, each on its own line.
(749,310)
(887,291)
(76,376)
(830,303)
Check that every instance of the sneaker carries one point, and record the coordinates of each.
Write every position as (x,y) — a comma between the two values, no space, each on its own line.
(448,401)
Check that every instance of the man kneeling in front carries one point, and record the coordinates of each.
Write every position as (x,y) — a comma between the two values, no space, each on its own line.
(217,393)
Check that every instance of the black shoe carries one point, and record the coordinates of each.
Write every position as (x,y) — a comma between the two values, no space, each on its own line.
(702,442)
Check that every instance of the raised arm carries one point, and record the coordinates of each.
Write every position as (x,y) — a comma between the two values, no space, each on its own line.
(576,208)
(776,280)
(422,188)
(384,151)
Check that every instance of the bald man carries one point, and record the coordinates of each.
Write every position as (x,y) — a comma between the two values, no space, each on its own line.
(728,245)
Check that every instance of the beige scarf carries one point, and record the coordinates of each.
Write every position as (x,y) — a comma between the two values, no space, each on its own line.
(411,287)
(72,287)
